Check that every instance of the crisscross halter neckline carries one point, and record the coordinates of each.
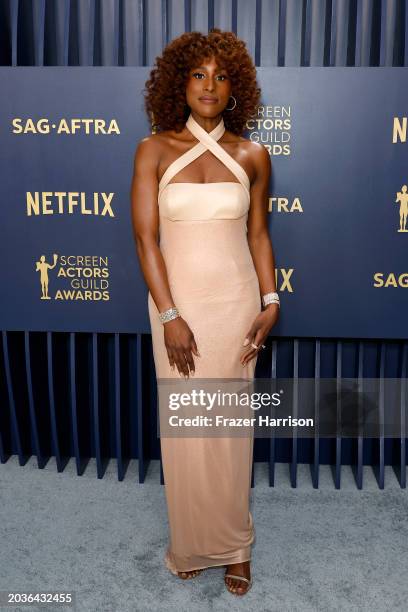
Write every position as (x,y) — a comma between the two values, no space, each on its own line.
(207,141)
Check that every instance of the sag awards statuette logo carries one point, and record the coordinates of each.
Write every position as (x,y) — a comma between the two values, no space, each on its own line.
(402,199)
(382,279)
(77,277)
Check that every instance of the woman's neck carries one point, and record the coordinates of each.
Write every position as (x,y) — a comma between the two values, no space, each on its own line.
(207,123)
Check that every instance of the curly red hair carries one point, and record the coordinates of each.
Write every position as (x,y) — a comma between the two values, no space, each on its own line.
(165,100)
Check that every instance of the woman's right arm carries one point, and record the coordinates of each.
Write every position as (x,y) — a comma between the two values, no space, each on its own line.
(179,339)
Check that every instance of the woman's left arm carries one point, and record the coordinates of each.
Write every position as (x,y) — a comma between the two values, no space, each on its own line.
(261,250)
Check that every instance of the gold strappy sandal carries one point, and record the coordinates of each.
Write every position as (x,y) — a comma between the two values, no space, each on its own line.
(249,582)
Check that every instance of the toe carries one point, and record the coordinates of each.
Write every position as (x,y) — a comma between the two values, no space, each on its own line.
(189,574)
(236,586)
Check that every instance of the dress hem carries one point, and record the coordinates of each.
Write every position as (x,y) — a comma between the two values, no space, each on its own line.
(228,561)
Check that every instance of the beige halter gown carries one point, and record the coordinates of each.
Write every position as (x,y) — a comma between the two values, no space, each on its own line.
(213,282)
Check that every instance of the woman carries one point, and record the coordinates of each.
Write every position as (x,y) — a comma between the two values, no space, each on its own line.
(202,188)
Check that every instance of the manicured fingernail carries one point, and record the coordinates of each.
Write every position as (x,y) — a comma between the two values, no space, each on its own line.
(246,341)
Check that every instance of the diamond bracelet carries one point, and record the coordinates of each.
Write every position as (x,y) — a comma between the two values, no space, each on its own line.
(169,315)
(271,298)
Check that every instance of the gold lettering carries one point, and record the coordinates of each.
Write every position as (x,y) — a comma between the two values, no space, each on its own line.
(399,132)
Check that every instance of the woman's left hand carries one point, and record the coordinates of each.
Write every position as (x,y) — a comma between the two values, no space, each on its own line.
(259,331)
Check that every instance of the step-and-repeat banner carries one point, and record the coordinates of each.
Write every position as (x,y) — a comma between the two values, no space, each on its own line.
(337,207)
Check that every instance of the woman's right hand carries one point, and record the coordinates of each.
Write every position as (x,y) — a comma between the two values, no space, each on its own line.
(180,345)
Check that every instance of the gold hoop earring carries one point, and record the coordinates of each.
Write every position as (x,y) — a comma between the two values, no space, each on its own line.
(235,103)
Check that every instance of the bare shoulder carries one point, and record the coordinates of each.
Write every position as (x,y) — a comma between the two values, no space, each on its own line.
(149,152)
(254,150)
(257,152)
(253,156)
(156,145)
(258,157)
(150,145)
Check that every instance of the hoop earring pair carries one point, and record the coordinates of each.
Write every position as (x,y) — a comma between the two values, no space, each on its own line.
(235,103)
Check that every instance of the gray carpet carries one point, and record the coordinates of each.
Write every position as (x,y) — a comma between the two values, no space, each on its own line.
(315,549)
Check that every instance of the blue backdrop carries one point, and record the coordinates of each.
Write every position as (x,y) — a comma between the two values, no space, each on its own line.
(68,139)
